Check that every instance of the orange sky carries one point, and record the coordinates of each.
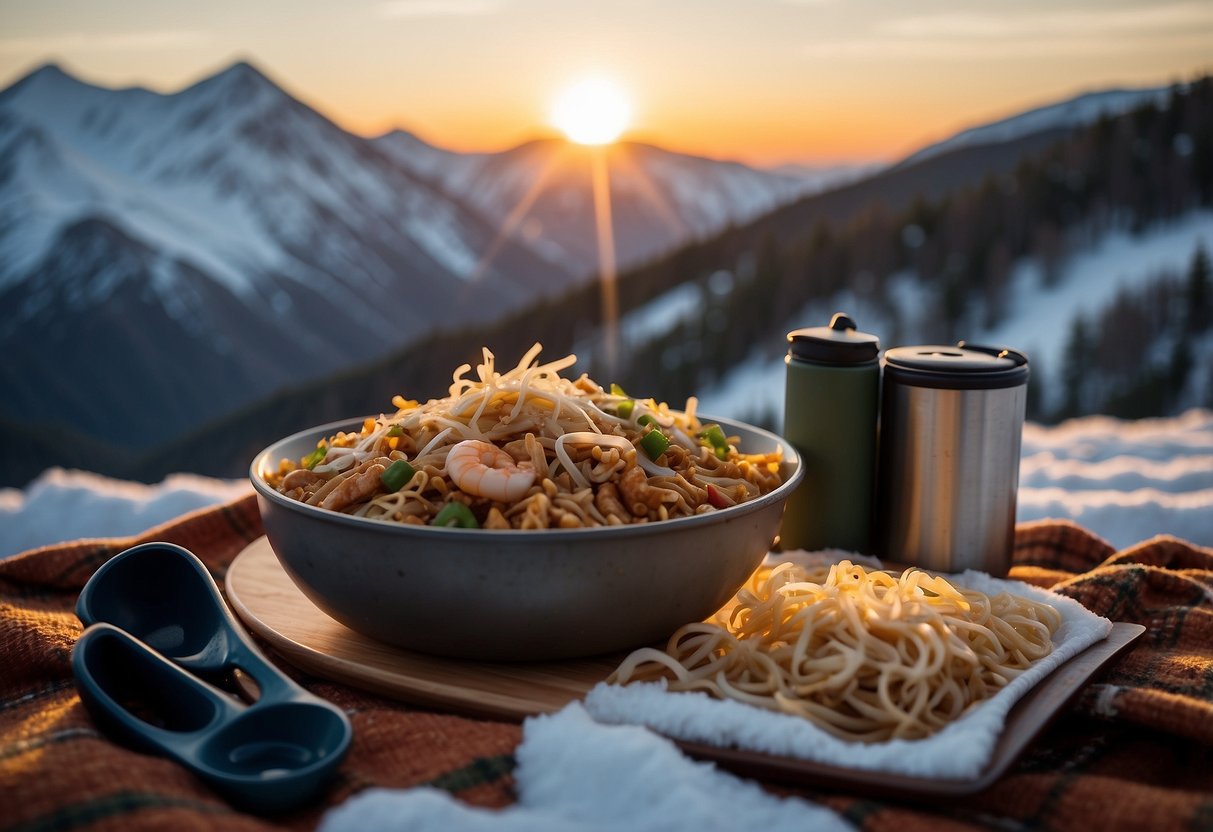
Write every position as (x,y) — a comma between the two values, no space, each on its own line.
(763,81)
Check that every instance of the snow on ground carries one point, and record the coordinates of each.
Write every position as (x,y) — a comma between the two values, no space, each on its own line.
(1039,318)
(1124,480)
(66,505)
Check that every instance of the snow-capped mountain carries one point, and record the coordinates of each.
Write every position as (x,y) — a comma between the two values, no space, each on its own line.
(166,258)
(543,192)
(1060,115)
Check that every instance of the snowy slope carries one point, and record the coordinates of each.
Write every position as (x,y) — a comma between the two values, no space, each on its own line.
(1072,112)
(429,161)
(1038,317)
(92,150)
(230,172)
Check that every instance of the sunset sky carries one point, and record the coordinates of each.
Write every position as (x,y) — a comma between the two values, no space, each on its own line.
(763,81)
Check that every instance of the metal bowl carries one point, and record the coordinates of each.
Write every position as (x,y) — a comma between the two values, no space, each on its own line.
(519,595)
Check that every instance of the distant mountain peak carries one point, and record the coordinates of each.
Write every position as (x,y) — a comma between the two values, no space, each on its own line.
(50,70)
(49,76)
(241,80)
(243,69)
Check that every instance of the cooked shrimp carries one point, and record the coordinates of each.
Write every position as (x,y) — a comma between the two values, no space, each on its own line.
(483,469)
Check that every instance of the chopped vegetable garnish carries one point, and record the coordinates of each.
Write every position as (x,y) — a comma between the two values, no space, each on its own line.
(397,476)
(646,419)
(395,430)
(715,498)
(716,438)
(654,443)
(624,409)
(457,514)
(314,458)
(616,390)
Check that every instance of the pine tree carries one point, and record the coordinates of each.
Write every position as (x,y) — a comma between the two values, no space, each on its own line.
(1076,363)
(1177,371)
(1199,299)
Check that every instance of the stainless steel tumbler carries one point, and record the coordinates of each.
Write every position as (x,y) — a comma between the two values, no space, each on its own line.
(830,410)
(948,473)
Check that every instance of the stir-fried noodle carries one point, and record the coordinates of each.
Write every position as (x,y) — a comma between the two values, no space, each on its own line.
(865,655)
(529,449)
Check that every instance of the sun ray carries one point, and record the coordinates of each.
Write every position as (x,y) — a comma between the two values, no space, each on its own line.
(592,112)
(621,157)
(519,212)
(605,234)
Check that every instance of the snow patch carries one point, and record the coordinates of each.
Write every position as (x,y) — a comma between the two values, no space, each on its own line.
(1038,318)
(67,505)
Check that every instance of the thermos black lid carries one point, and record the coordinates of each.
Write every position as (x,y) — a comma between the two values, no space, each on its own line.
(960,367)
(839,343)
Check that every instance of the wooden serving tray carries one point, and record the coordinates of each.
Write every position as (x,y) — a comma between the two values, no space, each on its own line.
(271,606)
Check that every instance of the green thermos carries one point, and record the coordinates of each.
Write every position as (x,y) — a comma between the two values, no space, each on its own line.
(830,412)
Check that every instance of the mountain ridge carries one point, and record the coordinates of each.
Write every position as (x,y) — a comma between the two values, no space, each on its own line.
(1063,113)
(659,198)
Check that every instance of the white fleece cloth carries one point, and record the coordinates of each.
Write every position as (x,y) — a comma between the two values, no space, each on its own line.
(576,774)
(959,751)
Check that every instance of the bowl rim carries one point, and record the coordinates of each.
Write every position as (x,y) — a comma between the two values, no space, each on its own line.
(780,493)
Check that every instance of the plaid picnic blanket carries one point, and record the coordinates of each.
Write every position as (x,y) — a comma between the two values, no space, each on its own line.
(1135,751)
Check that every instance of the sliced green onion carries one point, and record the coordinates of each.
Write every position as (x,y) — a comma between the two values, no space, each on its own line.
(397,475)
(646,419)
(395,430)
(654,443)
(616,390)
(716,438)
(314,458)
(457,514)
(624,409)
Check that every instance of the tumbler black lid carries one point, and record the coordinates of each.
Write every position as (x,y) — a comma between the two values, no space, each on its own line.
(960,367)
(839,343)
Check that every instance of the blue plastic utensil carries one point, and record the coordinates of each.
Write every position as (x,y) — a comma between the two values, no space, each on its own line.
(159,641)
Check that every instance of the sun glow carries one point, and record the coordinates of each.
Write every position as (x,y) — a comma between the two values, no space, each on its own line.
(592,111)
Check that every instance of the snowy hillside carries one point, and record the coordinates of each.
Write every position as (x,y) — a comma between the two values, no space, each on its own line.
(1072,112)
(229,174)
(1037,320)
(659,199)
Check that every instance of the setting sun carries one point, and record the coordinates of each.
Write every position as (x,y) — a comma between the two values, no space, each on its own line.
(592,111)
